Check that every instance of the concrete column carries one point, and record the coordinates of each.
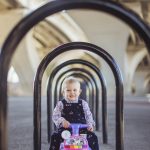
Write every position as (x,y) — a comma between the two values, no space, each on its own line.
(25,59)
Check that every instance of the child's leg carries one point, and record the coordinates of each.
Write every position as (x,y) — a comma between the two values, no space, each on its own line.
(56,140)
(92,139)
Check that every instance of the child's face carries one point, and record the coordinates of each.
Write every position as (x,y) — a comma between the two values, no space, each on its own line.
(72,91)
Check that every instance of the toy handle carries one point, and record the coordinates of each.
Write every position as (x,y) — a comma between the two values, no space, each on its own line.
(75,128)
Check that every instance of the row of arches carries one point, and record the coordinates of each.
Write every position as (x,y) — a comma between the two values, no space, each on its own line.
(119,91)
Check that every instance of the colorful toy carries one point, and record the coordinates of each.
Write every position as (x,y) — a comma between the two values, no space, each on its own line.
(74,141)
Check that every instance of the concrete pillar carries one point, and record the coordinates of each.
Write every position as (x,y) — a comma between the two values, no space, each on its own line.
(25,59)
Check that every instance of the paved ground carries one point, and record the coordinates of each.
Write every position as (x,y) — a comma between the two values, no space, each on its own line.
(136,114)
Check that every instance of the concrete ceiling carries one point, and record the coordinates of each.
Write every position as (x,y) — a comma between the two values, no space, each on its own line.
(142,7)
(99,30)
(144,4)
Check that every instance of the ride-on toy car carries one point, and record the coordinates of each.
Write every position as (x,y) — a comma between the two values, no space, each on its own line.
(74,141)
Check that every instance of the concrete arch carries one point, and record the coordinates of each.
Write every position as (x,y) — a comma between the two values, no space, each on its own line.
(31,47)
(67,26)
(135,61)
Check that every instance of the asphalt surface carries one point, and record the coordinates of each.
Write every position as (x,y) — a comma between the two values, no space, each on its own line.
(136,124)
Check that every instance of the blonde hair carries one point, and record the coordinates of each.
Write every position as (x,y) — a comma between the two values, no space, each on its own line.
(69,80)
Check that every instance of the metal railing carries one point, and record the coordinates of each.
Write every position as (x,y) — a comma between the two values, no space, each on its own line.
(103,95)
(118,81)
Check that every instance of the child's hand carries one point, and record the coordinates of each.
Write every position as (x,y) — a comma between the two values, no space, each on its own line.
(90,128)
(66,124)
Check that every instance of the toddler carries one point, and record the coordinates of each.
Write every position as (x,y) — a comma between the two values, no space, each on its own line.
(72,110)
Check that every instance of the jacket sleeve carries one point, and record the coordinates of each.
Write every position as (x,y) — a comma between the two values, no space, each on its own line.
(88,115)
(56,117)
